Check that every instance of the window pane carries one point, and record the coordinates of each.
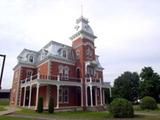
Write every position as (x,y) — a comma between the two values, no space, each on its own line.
(65,98)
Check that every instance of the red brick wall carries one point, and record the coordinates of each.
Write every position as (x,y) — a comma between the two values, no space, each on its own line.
(53,93)
(55,66)
(42,93)
(24,72)
(33,98)
(15,87)
(43,68)
(100,74)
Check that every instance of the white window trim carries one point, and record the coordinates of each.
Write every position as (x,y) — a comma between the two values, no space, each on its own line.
(28,58)
(63,95)
(27,71)
(66,95)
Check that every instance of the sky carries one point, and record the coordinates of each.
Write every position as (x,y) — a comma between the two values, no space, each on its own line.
(128,31)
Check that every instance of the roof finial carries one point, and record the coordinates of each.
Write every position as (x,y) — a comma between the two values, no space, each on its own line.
(81,8)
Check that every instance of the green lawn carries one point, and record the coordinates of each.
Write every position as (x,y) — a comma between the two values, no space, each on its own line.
(12,118)
(2,108)
(4,102)
(69,115)
(139,114)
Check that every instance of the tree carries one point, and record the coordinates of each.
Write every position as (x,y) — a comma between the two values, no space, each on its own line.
(127,86)
(51,105)
(40,105)
(150,83)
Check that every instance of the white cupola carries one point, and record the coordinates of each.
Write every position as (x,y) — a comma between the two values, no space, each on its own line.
(83,29)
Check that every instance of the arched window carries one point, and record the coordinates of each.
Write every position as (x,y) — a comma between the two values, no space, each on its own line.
(90,71)
(77,54)
(63,72)
(66,70)
(60,69)
(30,58)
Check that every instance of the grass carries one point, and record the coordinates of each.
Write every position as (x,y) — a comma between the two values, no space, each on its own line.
(69,115)
(139,114)
(2,108)
(12,118)
(4,102)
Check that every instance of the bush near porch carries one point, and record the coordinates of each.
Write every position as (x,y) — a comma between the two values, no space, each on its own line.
(121,108)
(40,105)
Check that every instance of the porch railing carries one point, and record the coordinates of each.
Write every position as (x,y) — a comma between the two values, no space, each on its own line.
(50,77)
(92,79)
(95,80)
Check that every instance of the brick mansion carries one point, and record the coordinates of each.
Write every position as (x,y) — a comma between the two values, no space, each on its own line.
(72,75)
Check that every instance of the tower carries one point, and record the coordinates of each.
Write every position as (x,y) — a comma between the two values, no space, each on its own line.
(83,45)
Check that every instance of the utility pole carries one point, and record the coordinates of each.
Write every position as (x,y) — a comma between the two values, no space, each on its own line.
(2,69)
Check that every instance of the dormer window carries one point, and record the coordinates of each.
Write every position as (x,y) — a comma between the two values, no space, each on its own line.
(64,54)
(31,59)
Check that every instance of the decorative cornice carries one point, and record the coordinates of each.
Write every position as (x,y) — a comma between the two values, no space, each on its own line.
(62,60)
(23,64)
(83,34)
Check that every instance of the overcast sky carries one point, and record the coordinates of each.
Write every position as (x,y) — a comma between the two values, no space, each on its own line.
(128,31)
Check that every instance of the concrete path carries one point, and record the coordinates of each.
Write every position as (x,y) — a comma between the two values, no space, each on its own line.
(37,117)
(8,110)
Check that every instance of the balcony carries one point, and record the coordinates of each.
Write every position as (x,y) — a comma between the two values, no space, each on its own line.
(97,82)
(52,79)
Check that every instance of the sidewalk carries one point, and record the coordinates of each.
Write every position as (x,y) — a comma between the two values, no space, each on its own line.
(8,110)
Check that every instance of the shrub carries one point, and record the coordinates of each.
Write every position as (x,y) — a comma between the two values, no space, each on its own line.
(40,105)
(148,103)
(121,108)
(51,105)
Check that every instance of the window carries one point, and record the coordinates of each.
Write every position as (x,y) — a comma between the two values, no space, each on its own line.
(64,54)
(63,95)
(77,54)
(90,71)
(29,73)
(60,95)
(31,59)
(63,72)
(60,69)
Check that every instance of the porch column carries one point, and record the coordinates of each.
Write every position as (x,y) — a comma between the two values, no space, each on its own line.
(96,96)
(30,94)
(57,96)
(47,95)
(86,96)
(91,96)
(37,94)
(81,96)
(101,95)
(20,96)
(24,97)
(110,92)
